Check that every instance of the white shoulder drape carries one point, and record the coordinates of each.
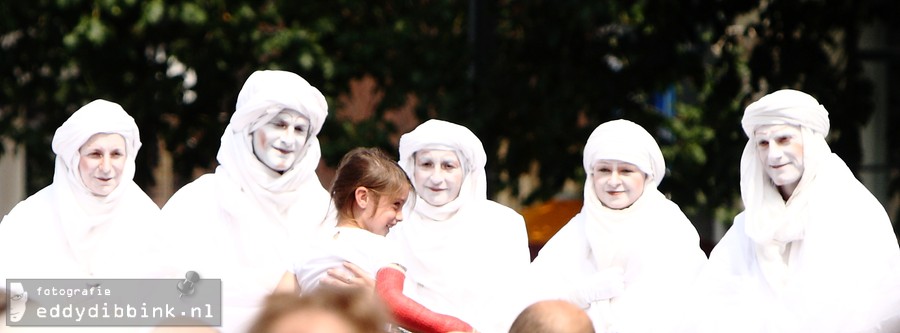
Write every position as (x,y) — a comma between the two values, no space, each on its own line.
(657,248)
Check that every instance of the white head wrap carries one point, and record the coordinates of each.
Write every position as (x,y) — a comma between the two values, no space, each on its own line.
(264,95)
(770,221)
(625,141)
(786,106)
(87,220)
(628,142)
(99,116)
(442,135)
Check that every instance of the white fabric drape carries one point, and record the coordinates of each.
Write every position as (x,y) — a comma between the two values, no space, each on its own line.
(824,261)
(64,231)
(333,247)
(842,276)
(238,223)
(651,240)
(462,254)
(773,222)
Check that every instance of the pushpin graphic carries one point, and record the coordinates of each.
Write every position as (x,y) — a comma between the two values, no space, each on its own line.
(186,287)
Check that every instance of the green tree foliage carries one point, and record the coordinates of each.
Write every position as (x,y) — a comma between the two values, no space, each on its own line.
(531,78)
(556,80)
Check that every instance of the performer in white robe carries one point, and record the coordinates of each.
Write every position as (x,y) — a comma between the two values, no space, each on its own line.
(93,221)
(813,250)
(238,223)
(628,253)
(461,248)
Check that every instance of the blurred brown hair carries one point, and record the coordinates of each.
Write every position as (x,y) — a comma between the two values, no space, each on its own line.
(3,304)
(356,307)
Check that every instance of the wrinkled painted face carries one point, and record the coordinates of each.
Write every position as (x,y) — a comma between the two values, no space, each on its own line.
(101,161)
(617,184)
(438,175)
(379,219)
(780,150)
(280,142)
(18,301)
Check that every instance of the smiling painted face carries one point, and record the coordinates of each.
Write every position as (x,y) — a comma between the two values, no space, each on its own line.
(438,175)
(617,184)
(280,142)
(780,150)
(101,161)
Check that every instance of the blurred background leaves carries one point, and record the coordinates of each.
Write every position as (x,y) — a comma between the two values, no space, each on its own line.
(530,78)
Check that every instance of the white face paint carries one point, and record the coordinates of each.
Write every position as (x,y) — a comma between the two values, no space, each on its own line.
(617,184)
(18,301)
(438,175)
(279,143)
(101,161)
(780,150)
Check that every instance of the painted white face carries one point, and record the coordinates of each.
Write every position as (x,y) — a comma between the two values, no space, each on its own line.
(101,161)
(280,142)
(780,150)
(18,301)
(617,184)
(438,175)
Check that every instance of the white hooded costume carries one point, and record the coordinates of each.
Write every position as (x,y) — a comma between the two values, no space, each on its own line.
(238,224)
(464,253)
(825,260)
(64,230)
(652,241)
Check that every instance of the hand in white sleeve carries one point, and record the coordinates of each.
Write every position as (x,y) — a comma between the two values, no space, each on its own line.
(599,286)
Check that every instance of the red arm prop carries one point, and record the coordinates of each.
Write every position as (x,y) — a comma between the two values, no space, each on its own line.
(408,313)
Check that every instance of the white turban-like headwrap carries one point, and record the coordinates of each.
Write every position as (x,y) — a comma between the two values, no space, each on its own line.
(442,135)
(266,93)
(786,106)
(770,221)
(80,211)
(263,96)
(99,116)
(625,141)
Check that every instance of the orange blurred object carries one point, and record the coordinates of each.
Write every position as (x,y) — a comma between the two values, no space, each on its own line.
(543,220)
